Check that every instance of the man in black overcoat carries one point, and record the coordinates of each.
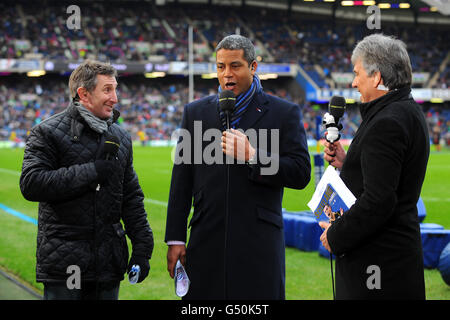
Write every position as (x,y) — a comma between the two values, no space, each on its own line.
(377,241)
(236,245)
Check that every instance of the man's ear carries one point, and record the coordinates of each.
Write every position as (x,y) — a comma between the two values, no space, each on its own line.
(82,93)
(377,79)
(253,66)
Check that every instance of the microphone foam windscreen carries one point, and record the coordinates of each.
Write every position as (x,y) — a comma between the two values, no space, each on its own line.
(227,101)
(337,106)
(111,145)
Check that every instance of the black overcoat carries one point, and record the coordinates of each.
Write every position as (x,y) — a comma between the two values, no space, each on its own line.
(378,241)
(236,247)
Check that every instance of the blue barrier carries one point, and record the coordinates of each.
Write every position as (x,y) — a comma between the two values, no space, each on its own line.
(433,226)
(423,226)
(421,211)
(302,230)
(324,252)
(288,220)
(433,242)
(444,264)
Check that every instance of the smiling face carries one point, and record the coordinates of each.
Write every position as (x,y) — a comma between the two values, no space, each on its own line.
(233,71)
(102,99)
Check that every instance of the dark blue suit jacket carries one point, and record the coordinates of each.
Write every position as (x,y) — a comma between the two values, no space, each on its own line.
(236,247)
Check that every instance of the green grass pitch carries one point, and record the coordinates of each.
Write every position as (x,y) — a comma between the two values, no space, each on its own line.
(307,274)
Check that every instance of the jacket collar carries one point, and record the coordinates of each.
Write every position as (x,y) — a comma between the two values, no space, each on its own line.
(255,110)
(77,123)
(370,108)
(73,112)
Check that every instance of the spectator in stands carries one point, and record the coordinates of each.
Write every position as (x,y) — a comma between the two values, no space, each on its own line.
(145,105)
(382,228)
(436,137)
(85,189)
(140,30)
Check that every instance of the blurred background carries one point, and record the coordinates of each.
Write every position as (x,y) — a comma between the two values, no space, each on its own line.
(164,53)
(303,48)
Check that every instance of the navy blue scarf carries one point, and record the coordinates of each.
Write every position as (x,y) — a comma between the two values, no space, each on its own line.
(242,102)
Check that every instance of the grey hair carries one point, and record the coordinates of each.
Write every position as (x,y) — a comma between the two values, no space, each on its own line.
(387,55)
(238,42)
(85,75)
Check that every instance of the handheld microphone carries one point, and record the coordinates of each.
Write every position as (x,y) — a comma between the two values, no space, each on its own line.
(227,101)
(336,109)
(111,146)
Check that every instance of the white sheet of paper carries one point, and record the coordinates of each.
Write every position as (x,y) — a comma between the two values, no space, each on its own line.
(331,176)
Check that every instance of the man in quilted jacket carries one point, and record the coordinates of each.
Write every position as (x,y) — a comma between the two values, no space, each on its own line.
(85,188)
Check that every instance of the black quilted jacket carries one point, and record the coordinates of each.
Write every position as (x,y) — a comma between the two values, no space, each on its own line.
(79,222)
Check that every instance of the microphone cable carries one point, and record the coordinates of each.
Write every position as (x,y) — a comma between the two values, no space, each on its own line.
(227,197)
(227,102)
(226,230)
(332,277)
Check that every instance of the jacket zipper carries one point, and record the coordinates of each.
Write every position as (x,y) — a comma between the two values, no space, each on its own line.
(97,189)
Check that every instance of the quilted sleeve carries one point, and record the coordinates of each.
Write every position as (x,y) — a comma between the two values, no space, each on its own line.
(133,212)
(41,180)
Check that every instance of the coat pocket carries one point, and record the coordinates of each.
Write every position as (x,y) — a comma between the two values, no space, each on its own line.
(69,232)
(119,249)
(61,246)
(55,255)
(270,216)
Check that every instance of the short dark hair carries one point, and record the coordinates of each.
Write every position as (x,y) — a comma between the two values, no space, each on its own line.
(238,42)
(85,75)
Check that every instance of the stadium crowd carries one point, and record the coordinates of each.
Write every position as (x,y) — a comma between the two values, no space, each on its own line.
(138,31)
(152,110)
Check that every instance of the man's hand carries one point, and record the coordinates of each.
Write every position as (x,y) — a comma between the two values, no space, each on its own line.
(107,168)
(323,238)
(143,263)
(334,153)
(235,144)
(175,252)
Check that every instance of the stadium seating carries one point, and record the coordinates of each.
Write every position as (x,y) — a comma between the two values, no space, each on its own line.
(152,106)
(139,31)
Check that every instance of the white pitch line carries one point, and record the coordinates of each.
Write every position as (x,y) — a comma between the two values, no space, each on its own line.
(17,173)
(431,199)
(164,204)
(12,172)
(157,202)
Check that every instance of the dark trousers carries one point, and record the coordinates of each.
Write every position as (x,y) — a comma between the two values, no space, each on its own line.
(88,291)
